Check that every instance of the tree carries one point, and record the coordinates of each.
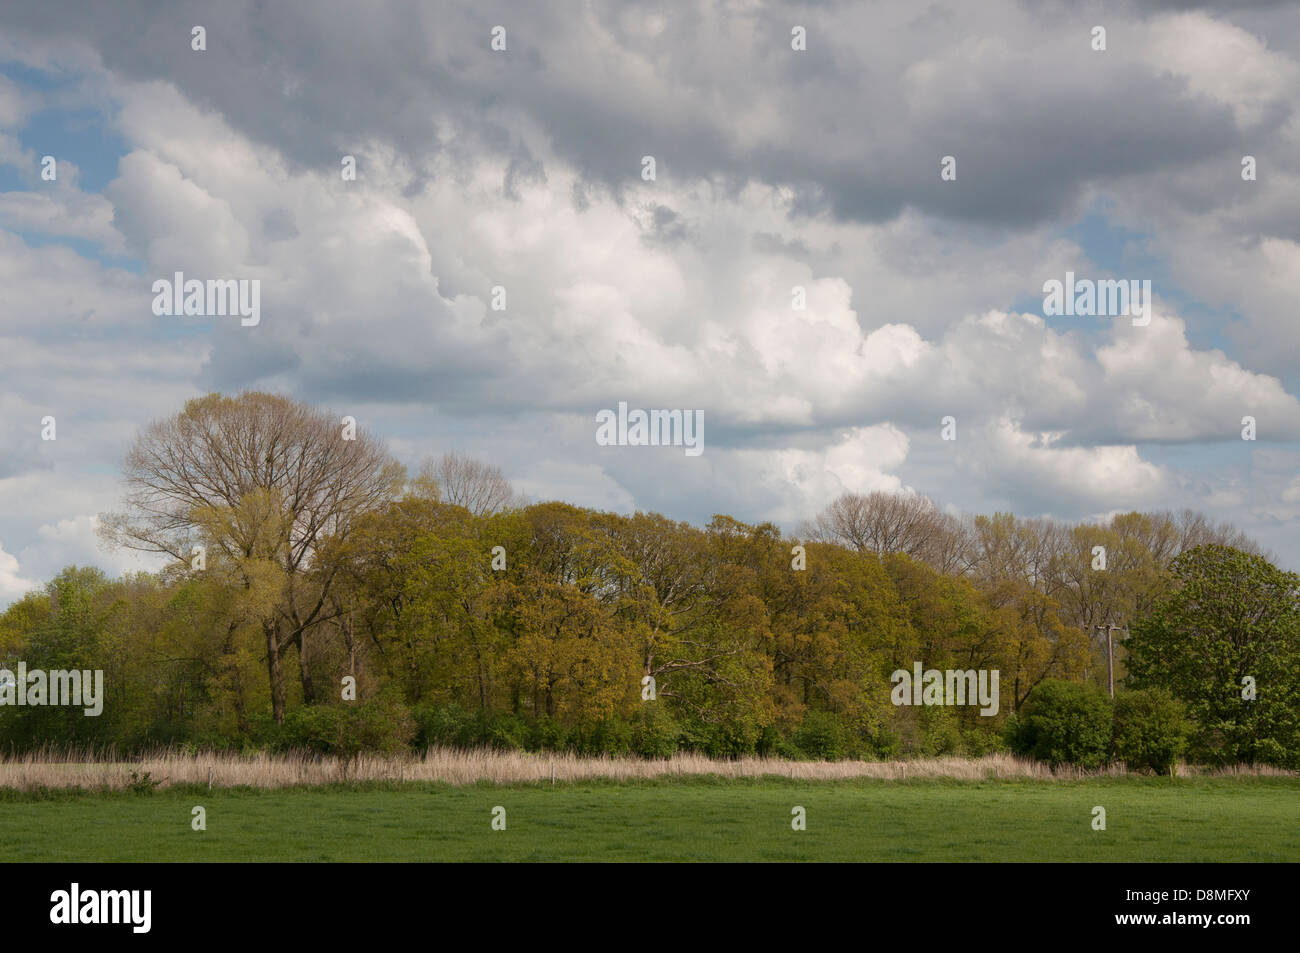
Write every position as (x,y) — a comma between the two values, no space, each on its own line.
(1016,564)
(463,481)
(696,621)
(952,626)
(262,481)
(383,592)
(73,624)
(881,522)
(1194,529)
(560,615)
(834,628)
(1227,643)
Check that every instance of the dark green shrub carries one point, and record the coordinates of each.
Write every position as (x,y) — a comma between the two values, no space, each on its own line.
(610,736)
(716,741)
(446,726)
(1013,737)
(885,743)
(1064,723)
(381,724)
(821,736)
(547,734)
(940,732)
(977,742)
(507,732)
(317,728)
(656,734)
(769,741)
(1151,729)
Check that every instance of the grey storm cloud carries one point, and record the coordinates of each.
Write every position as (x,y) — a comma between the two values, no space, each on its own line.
(1033,116)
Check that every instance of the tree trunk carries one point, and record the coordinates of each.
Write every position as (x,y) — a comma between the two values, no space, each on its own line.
(351,644)
(233,681)
(308,686)
(274,671)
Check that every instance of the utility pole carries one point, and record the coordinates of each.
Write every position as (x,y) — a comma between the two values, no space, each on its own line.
(1110,653)
(1110,659)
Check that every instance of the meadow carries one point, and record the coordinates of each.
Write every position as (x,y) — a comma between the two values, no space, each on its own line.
(935,814)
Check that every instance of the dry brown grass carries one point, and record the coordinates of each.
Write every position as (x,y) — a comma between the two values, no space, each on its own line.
(97,771)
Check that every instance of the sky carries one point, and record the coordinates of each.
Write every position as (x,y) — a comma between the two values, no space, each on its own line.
(775,168)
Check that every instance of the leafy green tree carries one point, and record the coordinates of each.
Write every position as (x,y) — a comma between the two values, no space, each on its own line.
(72,625)
(1230,629)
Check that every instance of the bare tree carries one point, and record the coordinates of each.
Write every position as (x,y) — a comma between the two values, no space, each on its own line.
(263,481)
(882,522)
(1195,529)
(463,481)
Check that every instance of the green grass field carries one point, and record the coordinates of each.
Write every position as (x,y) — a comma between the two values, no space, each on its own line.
(1147,819)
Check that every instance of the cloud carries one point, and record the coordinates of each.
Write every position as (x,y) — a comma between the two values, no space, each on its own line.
(780,175)
(12,585)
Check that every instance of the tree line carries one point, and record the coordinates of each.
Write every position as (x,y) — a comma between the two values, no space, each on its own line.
(317,595)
